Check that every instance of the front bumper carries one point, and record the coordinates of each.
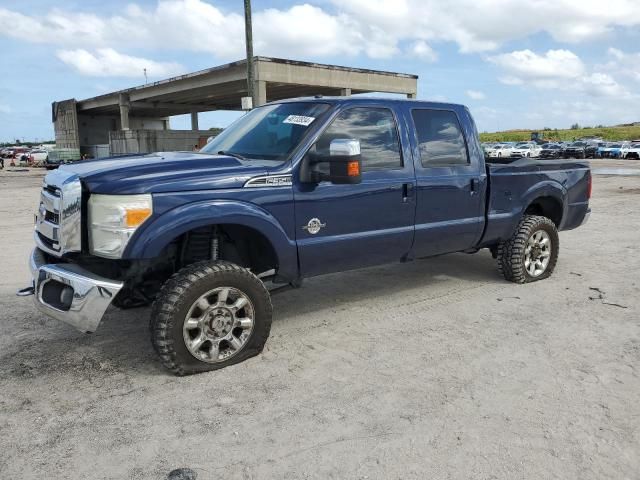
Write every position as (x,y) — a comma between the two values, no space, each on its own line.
(69,293)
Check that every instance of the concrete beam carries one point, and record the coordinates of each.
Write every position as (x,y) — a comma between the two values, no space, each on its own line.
(172,106)
(194,121)
(319,76)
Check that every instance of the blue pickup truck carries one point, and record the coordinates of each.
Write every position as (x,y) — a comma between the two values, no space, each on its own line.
(291,190)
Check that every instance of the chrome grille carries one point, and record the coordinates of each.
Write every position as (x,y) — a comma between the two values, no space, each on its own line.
(57,229)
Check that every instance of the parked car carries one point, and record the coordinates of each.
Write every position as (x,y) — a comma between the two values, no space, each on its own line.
(591,150)
(500,151)
(575,150)
(551,150)
(291,190)
(38,157)
(615,149)
(526,150)
(630,152)
(18,152)
(602,149)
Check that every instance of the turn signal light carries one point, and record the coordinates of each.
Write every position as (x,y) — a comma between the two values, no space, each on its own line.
(135,216)
(353,169)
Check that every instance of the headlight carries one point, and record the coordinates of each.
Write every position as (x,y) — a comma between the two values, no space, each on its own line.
(113,219)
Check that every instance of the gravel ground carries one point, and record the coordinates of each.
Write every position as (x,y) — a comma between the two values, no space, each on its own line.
(433,369)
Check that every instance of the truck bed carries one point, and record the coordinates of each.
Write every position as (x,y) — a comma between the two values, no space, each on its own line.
(519,185)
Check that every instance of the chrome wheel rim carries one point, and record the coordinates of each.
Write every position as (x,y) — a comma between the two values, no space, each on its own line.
(537,253)
(219,324)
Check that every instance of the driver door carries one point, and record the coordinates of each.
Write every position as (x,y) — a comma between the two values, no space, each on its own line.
(341,227)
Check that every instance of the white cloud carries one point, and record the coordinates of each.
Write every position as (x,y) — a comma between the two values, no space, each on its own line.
(603,85)
(106,62)
(623,63)
(475,95)
(304,30)
(376,28)
(482,25)
(526,65)
(423,51)
(557,69)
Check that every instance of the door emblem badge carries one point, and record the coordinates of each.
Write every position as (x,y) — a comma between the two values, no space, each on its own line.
(314,226)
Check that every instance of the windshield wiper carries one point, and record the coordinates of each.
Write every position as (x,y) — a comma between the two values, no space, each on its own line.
(231,154)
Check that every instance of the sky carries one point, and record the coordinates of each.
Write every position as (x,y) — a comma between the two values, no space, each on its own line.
(515,63)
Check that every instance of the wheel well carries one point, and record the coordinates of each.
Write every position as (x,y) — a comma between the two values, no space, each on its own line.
(239,244)
(548,207)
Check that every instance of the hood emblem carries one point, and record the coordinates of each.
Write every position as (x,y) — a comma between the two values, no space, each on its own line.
(314,226)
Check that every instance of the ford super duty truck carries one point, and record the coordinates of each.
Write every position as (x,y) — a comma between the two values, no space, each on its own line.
(293,189)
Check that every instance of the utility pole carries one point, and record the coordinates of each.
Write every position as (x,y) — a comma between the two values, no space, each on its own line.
(249,44)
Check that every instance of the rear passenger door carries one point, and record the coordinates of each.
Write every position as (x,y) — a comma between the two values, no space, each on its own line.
(451,183)
(364,224)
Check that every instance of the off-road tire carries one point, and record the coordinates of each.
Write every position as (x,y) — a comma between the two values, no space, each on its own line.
(511,253)
(180,292)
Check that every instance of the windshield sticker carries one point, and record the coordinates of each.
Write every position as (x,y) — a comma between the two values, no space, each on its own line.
(299,120)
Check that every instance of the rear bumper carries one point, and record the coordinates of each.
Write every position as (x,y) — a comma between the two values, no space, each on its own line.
(71,294)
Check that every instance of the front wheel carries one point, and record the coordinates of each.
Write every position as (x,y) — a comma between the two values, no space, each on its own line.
(208,316)
(532,252)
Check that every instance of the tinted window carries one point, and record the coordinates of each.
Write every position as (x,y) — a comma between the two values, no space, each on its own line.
(440,138)
(376,130)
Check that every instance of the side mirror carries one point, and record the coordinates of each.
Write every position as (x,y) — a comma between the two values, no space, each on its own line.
(345,163)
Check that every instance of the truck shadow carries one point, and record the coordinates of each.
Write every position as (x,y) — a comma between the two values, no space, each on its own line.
(121,344)
(444,275)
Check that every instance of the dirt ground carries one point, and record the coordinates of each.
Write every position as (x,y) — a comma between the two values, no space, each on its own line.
(436,369)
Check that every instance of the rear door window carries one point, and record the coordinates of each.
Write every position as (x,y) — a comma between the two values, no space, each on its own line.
(440,139)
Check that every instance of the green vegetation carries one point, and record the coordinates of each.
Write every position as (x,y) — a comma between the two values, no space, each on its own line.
(621,132)
(25,144)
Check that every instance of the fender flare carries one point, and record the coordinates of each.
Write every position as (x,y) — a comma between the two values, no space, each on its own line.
(547,188)
(162,230)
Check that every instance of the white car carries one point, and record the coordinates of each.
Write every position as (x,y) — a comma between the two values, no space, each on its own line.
(39,156)
(630,151)
(526,150)
(500,151)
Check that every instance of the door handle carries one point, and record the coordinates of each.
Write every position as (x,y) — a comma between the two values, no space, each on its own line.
(407,191)
(475,185)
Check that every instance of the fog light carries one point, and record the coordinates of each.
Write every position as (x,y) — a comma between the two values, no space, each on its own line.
(66,297)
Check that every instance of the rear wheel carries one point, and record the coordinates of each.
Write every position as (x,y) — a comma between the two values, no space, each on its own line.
(208,316)
(531,253)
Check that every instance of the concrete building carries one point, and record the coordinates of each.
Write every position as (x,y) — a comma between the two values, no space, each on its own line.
(136,120)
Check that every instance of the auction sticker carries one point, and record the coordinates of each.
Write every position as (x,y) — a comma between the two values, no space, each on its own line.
(299,120)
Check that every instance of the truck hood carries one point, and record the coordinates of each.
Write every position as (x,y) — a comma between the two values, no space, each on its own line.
(166,172)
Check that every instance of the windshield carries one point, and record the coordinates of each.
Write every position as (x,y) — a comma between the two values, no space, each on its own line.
(617,145)
(270,132)
(578,144)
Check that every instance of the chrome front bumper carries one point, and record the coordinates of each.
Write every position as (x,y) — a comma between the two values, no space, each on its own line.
(69,293)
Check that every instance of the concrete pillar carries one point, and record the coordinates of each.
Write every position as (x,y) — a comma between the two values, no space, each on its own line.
(411,95)
(194,121)
(260,93)
(345,92)
(125,104)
